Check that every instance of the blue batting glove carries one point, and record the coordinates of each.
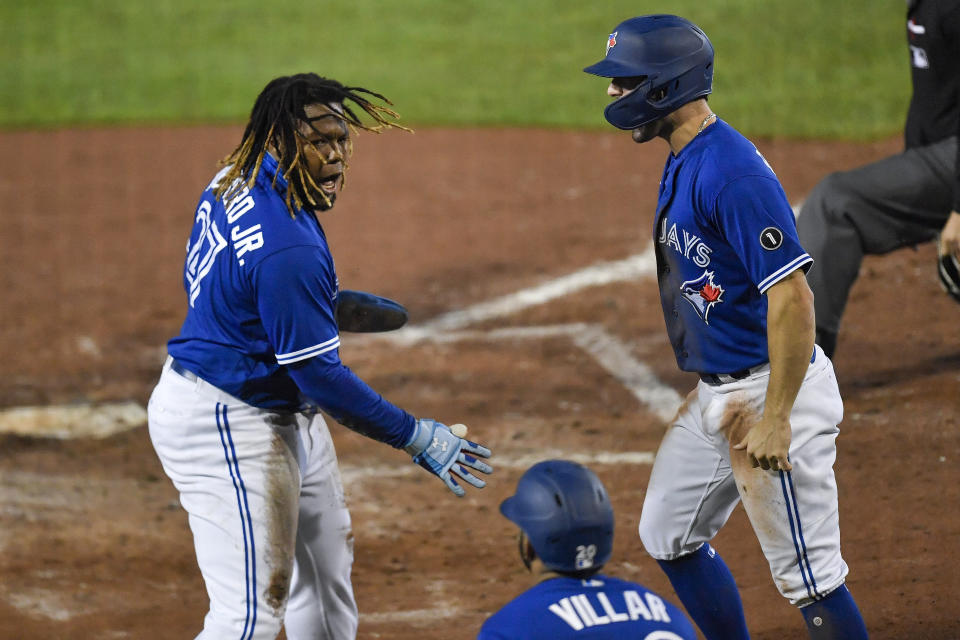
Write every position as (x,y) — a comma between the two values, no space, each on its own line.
(443,451)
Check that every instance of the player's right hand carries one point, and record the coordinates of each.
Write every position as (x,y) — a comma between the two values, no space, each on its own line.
(767,444)
(444,452)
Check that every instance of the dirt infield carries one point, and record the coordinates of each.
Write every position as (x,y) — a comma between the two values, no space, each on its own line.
(93,543)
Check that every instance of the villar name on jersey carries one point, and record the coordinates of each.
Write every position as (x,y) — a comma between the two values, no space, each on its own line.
(584,610)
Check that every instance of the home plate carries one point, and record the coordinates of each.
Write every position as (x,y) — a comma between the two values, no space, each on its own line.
(73,421)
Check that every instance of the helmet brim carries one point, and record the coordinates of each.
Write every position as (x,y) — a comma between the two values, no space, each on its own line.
(608,68)
(511,510)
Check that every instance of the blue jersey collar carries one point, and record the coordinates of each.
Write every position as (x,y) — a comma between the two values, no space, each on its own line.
(269,168)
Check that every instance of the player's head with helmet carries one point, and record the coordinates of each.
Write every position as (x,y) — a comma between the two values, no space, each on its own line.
(565,518)
(662,62)
(305,122)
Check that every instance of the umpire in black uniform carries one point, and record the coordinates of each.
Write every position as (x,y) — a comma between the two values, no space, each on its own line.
(902,200)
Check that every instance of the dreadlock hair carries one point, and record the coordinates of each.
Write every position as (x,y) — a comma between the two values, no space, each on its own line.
(275,121)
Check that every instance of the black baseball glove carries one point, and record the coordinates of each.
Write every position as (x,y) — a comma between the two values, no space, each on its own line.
(362,312)
(948,268)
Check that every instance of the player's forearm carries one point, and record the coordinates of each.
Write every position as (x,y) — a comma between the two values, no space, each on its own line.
(790,336)
(351,402)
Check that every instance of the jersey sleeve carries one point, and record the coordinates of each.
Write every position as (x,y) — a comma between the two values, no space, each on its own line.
(351,402)
(296,291)
(755,217)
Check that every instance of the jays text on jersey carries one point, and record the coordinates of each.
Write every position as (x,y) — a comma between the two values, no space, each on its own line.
(724,234)
(601,607)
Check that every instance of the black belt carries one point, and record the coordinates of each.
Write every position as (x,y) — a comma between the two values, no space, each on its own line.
(176,367)
(724,378)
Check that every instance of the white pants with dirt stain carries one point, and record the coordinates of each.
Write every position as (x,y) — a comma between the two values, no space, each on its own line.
(266,507)
(697,481)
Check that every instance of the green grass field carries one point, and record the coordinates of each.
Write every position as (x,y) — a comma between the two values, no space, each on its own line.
(818,68)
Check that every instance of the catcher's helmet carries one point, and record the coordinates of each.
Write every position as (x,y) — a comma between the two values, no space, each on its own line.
(673,55)
(565,511)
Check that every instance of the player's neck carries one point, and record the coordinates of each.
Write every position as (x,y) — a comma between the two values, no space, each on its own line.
(540,572)
(688,121)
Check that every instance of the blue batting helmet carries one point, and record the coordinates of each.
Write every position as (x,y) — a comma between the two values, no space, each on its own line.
(565,511)
(674,57)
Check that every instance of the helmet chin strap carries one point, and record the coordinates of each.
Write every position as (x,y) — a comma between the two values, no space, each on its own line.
(527,554)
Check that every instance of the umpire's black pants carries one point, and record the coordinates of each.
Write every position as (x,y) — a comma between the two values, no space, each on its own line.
(899,201)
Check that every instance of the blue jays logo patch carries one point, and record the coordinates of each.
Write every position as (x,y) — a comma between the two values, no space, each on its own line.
(702,293)
(612,41)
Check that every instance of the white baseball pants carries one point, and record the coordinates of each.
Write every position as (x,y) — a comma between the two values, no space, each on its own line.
(267,511)
(697,481)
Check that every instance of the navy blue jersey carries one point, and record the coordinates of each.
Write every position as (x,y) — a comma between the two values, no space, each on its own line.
(724,234)
(601,607)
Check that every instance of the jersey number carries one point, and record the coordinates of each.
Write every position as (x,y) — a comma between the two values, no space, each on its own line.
(204,251)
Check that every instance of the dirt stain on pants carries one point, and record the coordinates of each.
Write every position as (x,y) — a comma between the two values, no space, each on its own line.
(283,480)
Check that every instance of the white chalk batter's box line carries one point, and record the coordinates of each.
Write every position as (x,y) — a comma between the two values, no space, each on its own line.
(607,350)
(352,473)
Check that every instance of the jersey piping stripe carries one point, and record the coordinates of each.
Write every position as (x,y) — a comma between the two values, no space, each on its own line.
(799,544)
(249,549)
(783,272)
(309,352)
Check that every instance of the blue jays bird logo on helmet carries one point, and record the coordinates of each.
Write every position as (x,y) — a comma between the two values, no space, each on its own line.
(611,41)
(702,293)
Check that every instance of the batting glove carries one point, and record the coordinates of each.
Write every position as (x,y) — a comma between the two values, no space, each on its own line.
(443,451)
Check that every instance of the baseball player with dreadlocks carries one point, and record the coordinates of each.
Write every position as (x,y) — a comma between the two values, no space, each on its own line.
(761,426)
(235,415)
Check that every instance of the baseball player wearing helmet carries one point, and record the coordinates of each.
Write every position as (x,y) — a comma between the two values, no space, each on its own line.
(566,538)
(903,200)
(235,415)
(761,425)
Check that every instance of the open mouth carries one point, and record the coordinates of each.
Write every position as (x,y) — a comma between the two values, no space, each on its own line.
(329,184)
